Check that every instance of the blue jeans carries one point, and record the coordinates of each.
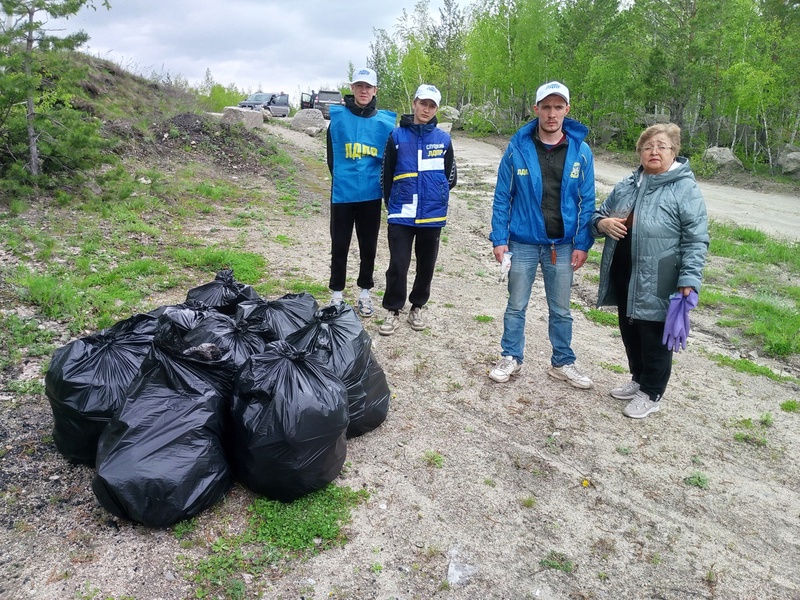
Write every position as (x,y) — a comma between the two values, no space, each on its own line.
(557,288)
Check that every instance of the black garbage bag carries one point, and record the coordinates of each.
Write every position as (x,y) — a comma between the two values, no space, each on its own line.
(278,318)
(289,419)
(369,405)
(224,293)
(228,334)
(338,338)
(185,316)
(87,380)
(161,459)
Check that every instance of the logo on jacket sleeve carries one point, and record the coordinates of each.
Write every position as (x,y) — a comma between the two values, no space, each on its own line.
(522,172)
(576,170)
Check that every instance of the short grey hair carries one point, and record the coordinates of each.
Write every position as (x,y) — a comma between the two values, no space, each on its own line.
(672,131)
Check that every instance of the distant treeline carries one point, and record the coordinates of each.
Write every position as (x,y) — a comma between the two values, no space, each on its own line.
(726,71)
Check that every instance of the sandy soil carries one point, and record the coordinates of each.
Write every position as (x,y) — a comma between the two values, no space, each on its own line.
(532,471)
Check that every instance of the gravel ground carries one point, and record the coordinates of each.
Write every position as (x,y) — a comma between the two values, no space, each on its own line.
(534,473)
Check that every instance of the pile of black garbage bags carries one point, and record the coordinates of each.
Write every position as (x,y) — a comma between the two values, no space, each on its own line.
(173,405)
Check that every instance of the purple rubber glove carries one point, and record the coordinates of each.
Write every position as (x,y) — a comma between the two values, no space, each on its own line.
(676,326)
(687,304)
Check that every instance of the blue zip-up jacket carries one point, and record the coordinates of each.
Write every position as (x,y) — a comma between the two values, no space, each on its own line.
(356,152)
(669,243)
(418,173)
(517,207)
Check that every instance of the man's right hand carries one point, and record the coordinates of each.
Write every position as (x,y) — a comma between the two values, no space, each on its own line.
(499,251)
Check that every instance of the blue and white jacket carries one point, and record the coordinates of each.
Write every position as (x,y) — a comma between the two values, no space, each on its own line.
(418,172)
(517,211)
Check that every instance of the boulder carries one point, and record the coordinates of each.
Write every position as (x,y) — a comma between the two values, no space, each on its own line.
(785,149)
(447,114)
(789,162)
(251,119)
(446,127)
(724,158)
(308,118)
(313,131)
(479,119)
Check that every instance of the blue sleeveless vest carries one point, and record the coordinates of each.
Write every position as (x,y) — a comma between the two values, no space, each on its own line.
(358,145)
(420,189)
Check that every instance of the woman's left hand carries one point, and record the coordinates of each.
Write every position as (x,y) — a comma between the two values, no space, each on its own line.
(686,290)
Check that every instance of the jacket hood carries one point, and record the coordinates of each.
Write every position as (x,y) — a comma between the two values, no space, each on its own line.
(369,110)
(408,121)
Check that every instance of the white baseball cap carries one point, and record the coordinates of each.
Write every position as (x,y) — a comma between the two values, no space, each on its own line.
(553,87)
(367,76)
(428,92)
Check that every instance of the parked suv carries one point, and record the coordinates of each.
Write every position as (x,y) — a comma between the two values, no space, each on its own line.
(324,100)
(276,104)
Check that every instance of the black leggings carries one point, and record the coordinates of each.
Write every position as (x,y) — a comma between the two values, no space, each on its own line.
(649,360)
(426,250)
(366,217)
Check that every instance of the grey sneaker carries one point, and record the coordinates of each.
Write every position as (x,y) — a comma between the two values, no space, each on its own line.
(389,326)
(626,391)
(335,301)
(415,319)
(504,369)
(640,406)
(365,307)
(571,375)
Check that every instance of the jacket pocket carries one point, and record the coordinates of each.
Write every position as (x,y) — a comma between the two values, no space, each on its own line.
(668,271)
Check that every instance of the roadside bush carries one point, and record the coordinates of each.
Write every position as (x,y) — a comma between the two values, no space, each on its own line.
(702,167)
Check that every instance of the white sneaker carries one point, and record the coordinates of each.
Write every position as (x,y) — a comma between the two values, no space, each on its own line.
(335,301)
(504,369)
(626,391)
(641,406)
(415,319)
(571,375)
(365,307)
(389,325)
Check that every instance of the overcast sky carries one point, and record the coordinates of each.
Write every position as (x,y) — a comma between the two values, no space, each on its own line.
(272,45)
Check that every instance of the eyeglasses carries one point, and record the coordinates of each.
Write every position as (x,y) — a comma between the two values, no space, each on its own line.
(659,149)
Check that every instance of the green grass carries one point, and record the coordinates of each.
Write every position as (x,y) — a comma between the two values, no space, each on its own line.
(275,532)
(752,432)
(790,406)
(697,479)
(26,387)
(433,459)
(602,317)
(750,438)
(557,561)
(746,366)
(757,293)
(22,337)
(484,318)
